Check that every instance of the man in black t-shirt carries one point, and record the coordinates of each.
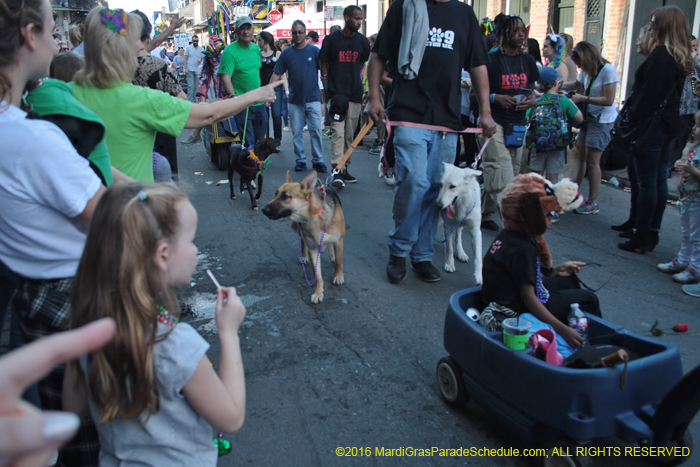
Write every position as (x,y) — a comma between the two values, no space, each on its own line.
(425,91)
(343,54)
(512,74)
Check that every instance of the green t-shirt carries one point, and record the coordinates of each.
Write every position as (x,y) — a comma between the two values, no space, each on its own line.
(243,64)
(567,107)
(132,116)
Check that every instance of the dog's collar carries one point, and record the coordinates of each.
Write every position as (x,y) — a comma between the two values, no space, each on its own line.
(258,165)
(322,187)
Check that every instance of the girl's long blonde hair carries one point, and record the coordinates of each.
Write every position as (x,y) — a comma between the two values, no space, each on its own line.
(671,31)
(110,57)
(119,278)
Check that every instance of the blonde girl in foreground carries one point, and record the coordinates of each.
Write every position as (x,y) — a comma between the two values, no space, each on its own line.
(152,391)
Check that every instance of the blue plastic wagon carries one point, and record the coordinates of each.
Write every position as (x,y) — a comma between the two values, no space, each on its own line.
(552,406)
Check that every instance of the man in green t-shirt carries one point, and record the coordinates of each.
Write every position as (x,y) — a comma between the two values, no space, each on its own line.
(240,70)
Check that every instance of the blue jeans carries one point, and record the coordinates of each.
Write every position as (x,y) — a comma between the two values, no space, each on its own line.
(276,112)
(192,84)
(257,125)
(652,188)
(690,233)
(299,115)
(285,107)
(419,158)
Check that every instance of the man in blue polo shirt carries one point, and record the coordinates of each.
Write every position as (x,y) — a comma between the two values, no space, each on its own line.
(301,64)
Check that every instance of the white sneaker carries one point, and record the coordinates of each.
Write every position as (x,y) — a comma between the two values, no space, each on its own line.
(287,129)
(689,276)
(389,178)
(672,267)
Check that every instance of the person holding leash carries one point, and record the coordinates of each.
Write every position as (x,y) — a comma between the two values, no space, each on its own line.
(425,94)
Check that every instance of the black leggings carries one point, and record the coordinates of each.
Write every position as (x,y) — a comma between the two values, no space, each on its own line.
(565,290)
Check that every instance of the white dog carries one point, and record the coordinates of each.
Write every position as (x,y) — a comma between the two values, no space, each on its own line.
(459,202)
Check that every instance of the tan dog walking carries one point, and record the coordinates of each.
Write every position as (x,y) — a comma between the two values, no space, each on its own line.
(317,216)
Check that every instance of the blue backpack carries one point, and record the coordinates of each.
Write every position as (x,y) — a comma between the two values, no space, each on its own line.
(549,130)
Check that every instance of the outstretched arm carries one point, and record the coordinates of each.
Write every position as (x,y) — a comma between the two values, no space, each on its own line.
(202,115)
(156,41)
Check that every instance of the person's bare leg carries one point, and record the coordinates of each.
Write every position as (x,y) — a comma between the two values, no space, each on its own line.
(581,156)
(594,173)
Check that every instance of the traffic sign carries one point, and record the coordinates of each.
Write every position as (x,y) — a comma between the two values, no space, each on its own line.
(274,16)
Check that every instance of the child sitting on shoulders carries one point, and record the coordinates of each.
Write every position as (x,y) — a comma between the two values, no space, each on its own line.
(685,267)
(152,391)
(549,133)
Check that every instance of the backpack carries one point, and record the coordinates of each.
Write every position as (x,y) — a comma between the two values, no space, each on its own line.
(549,130)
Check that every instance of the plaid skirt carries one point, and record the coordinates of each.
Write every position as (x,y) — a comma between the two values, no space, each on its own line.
(42,308)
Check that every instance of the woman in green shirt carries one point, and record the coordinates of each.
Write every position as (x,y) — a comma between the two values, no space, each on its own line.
(132,115)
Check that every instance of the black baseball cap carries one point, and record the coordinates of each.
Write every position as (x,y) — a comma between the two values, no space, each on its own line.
(339,107)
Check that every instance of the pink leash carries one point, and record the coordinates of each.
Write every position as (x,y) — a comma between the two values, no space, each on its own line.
(445,129)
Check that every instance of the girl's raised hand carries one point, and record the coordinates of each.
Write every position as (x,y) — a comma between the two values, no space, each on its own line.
(229,310)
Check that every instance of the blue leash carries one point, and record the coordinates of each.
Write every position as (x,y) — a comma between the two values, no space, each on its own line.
(447,235)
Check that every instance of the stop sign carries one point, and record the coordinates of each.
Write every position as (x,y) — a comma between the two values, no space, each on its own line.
(274,16)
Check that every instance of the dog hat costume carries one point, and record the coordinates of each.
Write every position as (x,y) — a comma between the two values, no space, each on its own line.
(526,204)
(520,257)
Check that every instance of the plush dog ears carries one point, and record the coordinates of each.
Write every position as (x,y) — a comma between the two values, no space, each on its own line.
(309,182)
(534,222)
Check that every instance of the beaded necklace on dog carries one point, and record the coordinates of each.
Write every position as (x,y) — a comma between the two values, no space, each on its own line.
(258,165)
(320,245)
(447,235)
(540,290)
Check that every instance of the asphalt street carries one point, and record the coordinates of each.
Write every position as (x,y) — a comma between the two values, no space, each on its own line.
(358,370)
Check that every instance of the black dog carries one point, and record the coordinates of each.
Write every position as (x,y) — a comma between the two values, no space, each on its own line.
(248,164)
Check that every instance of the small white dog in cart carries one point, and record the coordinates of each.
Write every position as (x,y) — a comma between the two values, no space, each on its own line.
(459,202)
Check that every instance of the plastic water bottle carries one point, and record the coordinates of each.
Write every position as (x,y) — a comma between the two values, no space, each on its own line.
(578,321)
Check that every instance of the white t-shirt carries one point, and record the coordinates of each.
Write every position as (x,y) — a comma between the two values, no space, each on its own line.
(194,56)
(44,185)
(607,75)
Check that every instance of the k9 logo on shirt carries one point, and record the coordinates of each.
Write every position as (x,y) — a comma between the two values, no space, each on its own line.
(440,38)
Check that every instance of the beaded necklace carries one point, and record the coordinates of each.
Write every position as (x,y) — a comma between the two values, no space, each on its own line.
(165,317)
(258,165)
(540,290)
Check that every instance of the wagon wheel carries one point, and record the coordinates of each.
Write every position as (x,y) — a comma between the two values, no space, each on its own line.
(449,379)
(220,156)
(562,456)
(673,416)
(685,441)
